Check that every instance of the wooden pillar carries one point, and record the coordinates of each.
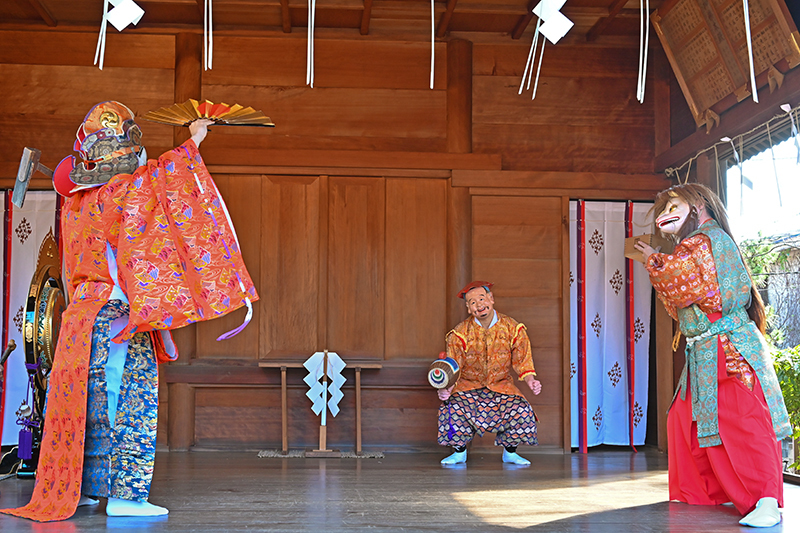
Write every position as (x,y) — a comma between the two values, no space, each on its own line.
(181,413)
(665,385)
(322,294)
(459,202)
(188,74)
(707,171)
(661,95)
(566,396)
(459,250)
(459,96)
(181,417)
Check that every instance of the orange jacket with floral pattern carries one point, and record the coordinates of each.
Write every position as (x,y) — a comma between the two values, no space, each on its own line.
(178,262)
(487,357)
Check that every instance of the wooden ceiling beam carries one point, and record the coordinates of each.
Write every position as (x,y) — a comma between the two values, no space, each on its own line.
(603,23)
(43,12)
(742,117)
(365,17)
(444,22)
(523,22)
(286,18)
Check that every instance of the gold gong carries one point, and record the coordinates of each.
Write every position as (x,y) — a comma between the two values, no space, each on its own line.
(43,309)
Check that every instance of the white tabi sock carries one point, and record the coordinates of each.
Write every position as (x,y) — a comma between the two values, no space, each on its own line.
(766,514)
(118,507)
(455,458)
(514,458)
(85,501)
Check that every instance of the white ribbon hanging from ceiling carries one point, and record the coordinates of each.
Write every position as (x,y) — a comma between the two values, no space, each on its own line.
(433,35)
(312,8)
(555,26)
(644,45)
(749,38)
(124,13)
(208,36)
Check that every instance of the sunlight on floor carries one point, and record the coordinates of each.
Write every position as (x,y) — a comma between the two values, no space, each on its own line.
(521,508)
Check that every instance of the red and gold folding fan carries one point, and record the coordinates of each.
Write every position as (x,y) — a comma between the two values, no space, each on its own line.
(223,114)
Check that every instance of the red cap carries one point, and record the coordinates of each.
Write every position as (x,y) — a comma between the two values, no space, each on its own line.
(475,285)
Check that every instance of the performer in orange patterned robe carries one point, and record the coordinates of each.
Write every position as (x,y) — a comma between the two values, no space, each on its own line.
(487,347)
(728,415)
(148,247)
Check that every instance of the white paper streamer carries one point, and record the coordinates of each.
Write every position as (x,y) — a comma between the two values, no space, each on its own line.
(788,109)
(750,49)
(553,25)
(433,35)
(100,51)
(532,54)
(208,35)
(644,45)
(317,392)
(774,166)
(124,13)
(312,9)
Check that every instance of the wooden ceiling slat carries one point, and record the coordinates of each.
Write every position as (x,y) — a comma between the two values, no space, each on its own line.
(603,23)
(286,17)
(519,29)
(365,16)
(243,17)
(444,22)
(43,12)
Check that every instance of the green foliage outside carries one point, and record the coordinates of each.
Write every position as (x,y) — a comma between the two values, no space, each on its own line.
(761,255)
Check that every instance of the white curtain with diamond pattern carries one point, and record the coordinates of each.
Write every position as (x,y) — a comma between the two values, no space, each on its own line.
(24,233)
(609,415)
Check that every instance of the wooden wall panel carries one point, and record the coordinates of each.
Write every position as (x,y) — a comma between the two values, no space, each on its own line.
(601,148)
(415,267)
(347,119)
(43,105)
(570,101)
(527,280)
(367,95)
(275,62)
(355,311)
(585,115)
(123,50)
(564,60)
(242,196)
(290,265)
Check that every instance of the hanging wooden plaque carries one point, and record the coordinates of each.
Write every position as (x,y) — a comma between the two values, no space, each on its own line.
(706,44)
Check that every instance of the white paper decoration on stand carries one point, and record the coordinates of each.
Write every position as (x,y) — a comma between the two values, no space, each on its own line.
(324,365)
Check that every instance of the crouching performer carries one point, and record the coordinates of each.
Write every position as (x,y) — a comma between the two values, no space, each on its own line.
(487,346)
(728,414)
(148,247)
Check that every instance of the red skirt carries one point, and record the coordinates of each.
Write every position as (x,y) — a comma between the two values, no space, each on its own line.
(745,468)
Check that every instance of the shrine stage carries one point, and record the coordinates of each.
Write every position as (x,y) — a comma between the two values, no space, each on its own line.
(604,491)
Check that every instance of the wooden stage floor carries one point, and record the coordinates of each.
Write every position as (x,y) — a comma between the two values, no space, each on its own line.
(606,491)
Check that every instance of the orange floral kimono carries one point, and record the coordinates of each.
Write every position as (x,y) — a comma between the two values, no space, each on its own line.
(177,262)
(486,356)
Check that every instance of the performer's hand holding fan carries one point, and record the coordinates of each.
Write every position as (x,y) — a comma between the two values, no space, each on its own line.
(222,114)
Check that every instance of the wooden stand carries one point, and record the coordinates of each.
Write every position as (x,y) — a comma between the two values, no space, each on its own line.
(284,365)
(323,450)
